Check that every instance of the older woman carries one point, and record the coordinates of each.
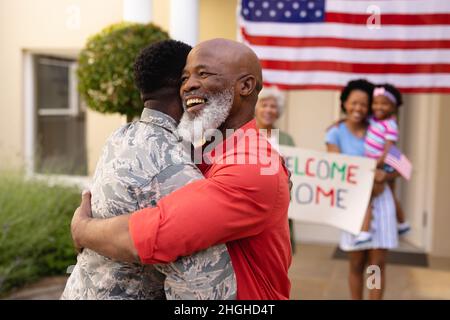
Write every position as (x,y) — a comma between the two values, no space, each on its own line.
(268,110)
(347,137)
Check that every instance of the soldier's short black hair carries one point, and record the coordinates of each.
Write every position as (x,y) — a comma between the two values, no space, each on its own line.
(359,84)
(393,90)
(160,65)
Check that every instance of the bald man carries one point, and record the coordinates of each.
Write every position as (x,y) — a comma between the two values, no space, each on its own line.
(238,203)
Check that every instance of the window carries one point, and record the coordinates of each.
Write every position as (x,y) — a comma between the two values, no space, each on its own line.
(60,139)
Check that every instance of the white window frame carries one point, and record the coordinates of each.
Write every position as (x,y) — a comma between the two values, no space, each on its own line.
(30,128)
(73,102)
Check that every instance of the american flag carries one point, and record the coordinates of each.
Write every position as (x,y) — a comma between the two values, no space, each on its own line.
(399,162)
(319,44)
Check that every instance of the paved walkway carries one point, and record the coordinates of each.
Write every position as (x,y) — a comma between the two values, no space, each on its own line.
(316,275)
(45,289)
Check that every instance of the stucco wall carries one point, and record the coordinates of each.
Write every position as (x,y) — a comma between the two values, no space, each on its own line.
(441,214)
(46,26)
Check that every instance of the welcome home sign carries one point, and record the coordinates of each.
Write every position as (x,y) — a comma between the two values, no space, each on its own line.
(329,188)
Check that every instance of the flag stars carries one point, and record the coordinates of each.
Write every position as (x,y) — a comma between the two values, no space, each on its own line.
(288,11)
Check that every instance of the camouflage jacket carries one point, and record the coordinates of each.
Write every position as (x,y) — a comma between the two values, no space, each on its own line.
(142,162)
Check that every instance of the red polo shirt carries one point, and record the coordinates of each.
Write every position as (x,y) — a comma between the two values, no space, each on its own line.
(236,204)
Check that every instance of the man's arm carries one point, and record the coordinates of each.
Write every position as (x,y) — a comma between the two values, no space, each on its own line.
(91,233)
(229,206)
(233,204)
(109,237)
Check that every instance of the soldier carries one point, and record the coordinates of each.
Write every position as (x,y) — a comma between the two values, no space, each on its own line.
(141,162)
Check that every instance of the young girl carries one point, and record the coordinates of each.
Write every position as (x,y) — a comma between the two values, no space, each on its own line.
(381,135)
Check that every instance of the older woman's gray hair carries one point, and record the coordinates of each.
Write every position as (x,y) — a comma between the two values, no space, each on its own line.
(277,94)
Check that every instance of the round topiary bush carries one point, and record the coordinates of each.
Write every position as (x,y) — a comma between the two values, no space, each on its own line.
(105,71)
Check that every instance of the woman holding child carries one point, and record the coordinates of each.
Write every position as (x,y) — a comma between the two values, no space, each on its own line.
(350,137)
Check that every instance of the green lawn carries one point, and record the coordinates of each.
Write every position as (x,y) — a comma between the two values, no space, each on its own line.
(34,230)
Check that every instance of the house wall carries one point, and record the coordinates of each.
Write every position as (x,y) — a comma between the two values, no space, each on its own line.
(46,26)
(440,220)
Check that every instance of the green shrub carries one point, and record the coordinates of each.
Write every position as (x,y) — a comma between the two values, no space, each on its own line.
(105,71)
(35,236)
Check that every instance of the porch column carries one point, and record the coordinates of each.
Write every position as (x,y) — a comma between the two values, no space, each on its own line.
(184,21)
(137,10)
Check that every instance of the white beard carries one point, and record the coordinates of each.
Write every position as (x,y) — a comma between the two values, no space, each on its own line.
(199,127)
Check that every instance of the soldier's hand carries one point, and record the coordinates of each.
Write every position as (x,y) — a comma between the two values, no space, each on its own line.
(81,216)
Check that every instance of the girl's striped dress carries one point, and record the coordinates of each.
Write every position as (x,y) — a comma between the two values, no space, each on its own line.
(378,133)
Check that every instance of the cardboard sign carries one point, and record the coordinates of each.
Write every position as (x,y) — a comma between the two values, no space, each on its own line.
(329,188)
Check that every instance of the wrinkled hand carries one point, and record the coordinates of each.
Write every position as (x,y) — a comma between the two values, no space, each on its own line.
(81,216)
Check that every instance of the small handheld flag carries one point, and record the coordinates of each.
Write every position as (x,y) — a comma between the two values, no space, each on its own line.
(399,162)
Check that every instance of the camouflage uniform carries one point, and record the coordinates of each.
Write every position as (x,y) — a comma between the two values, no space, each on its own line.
(142,162)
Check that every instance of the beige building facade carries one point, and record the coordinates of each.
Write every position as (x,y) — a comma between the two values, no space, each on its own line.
(47,35)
